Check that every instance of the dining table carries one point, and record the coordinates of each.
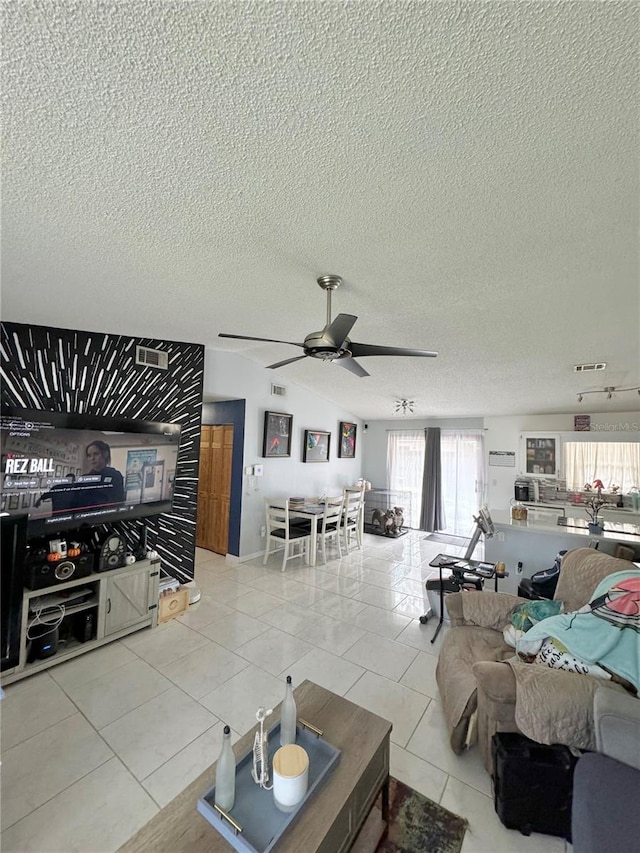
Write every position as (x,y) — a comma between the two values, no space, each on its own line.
(312,512)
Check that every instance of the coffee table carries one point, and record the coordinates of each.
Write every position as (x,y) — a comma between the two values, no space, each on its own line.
(332,818)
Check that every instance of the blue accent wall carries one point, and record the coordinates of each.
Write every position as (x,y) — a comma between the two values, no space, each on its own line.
(231,412)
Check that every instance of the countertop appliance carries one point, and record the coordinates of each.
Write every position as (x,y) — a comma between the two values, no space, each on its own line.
(522,491)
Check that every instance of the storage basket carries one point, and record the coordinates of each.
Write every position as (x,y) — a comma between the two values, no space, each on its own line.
(172,605)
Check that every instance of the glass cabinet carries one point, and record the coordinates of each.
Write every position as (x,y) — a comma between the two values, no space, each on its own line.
(540,454)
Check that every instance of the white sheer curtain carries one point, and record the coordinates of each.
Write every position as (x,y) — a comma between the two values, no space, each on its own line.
(405,463)
(613,462)
(463,478)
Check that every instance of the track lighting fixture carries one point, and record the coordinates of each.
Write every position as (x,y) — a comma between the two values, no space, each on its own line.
(608,390)
(404,407)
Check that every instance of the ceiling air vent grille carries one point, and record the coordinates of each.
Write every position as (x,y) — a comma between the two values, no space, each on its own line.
(584,368)
(152,358)
(278,390)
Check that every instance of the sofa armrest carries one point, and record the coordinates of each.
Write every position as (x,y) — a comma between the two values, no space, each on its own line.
(497,682)
(482,609)
(617,722)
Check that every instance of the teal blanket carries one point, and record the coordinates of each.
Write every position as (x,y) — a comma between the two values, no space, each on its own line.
(606,631)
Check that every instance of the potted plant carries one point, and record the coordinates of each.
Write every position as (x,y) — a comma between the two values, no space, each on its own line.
(593,507)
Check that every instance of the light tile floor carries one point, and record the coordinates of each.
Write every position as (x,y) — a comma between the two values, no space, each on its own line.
(93,748)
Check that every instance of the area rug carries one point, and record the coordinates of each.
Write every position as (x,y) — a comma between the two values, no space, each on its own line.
(418,825)
(448,539)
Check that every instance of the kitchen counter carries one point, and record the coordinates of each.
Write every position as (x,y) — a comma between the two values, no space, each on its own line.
(545,522)
(570,508)
(535,542)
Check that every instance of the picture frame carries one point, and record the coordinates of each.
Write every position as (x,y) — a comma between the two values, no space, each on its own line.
(276,442)
(347,443)
(317,445)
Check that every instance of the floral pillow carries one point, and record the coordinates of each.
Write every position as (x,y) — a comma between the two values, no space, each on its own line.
(525,615)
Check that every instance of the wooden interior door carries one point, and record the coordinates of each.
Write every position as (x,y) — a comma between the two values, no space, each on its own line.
(214,487)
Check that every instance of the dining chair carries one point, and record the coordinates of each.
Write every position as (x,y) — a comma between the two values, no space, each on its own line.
(351,523)
(285,535)
(330,525)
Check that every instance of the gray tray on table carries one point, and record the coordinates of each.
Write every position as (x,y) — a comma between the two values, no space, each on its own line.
(254,811)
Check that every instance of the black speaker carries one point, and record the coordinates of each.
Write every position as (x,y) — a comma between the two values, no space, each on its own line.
(84,625)
(44,639)
(112,552)
(39,574)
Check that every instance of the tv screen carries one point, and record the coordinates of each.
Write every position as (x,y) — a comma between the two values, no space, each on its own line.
(67,470)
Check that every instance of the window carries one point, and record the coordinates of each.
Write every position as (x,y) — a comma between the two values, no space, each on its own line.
(614,462)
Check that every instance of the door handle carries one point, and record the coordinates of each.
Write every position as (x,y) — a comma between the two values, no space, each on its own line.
(108,605)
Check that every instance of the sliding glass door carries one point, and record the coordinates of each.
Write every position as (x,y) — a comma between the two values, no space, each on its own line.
(405,462)
(463,479)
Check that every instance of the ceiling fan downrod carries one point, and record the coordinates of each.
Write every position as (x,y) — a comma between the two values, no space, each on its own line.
(329,283)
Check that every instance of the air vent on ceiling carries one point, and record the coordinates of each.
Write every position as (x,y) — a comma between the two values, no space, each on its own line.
(583,368)
(278,390)
(152,357)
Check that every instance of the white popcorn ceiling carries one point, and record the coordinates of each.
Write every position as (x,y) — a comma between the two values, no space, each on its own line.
(176,169)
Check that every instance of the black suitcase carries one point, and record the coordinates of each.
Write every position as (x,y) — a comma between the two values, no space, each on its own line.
(532,784)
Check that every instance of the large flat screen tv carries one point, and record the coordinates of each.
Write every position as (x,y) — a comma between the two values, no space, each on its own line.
(66,471)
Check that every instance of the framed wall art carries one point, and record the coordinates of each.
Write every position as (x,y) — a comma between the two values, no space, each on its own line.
(316,446)
(277,435)
(347,446)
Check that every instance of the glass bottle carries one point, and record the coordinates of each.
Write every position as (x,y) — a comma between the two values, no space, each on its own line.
(226,774)
(288,716)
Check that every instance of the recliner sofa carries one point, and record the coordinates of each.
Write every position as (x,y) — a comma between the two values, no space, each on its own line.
(485,689)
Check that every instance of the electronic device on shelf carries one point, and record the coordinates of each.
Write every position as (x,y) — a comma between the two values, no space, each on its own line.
(42,573)
(49,475)
(112,552)
(52,601)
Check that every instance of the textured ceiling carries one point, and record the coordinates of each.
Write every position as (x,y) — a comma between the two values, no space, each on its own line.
(178,169)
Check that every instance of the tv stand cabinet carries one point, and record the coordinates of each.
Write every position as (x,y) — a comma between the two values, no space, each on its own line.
(123,600)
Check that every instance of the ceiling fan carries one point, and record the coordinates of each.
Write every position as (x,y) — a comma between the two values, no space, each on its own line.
(332,343)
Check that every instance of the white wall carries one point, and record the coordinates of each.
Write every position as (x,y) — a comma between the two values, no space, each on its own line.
(230,376)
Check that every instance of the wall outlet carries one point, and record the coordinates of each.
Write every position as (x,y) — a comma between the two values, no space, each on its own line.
(263,531)
(248,470)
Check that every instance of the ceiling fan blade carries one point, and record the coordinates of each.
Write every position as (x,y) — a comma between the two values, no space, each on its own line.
(338,330)
(286,361)
(352,366)
(266,340)
(373,349)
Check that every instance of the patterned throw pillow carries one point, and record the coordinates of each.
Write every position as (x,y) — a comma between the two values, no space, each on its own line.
(554,654)
(525,615)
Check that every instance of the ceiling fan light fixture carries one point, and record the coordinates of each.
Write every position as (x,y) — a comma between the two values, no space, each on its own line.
(404,407)
(332,343)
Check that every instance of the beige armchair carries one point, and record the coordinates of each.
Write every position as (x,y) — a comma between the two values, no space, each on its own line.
(485,689)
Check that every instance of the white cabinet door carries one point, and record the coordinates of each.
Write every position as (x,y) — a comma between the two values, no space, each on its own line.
(127,601)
